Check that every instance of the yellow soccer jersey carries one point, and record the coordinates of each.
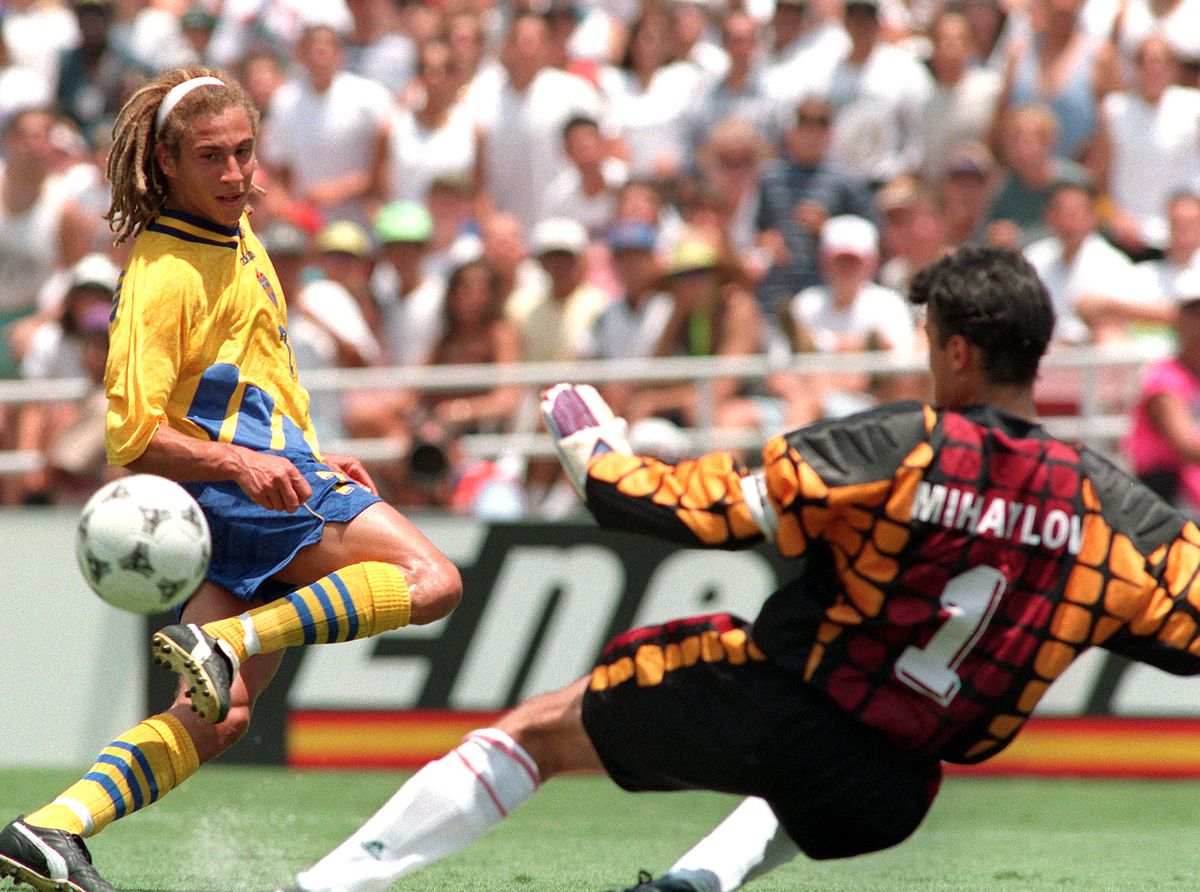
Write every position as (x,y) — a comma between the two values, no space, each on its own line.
(198,341)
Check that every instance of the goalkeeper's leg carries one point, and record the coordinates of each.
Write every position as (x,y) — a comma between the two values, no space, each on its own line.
(455,800)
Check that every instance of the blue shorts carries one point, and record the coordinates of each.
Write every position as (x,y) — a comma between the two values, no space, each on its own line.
(250,544)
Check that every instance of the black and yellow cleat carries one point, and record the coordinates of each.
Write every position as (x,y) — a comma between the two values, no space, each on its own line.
(647,883)
(206,664)
(48,860)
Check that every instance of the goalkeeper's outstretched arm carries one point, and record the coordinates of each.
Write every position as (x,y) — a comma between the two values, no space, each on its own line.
(707,502)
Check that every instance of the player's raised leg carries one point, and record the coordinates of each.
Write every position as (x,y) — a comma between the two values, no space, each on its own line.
(375,573)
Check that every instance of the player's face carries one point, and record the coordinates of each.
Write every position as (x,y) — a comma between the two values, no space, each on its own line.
(211,177)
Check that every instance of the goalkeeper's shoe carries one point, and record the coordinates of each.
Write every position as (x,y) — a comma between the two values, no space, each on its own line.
(206,664)
(48,860)
(647,883)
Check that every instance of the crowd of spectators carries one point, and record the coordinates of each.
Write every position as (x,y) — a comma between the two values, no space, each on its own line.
(492,181)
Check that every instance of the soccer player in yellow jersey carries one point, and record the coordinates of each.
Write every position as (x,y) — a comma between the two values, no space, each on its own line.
(202,389)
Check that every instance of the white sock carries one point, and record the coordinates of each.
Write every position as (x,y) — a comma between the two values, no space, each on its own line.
(747,844)
(444,807)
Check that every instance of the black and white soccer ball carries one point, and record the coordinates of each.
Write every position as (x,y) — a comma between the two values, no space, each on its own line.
(143,543)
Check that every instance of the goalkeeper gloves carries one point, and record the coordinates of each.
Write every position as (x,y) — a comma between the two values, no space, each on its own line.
(583,427)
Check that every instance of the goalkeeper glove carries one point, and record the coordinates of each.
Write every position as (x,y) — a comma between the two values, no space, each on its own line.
(583,427)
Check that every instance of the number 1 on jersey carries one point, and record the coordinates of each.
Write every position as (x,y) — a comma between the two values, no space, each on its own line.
(969,601)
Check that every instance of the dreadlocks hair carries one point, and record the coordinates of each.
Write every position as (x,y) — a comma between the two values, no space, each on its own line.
(139,186)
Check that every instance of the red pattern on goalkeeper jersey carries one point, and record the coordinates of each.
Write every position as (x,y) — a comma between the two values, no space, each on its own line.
(963,560)
(1008,527)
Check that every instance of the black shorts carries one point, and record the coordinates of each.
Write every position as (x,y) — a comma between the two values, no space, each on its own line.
(692,704)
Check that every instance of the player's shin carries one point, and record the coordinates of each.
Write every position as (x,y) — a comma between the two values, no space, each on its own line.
(136,769)
(357,601)
(444,807)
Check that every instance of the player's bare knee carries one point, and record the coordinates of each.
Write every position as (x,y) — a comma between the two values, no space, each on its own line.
(549,727)
(435,592)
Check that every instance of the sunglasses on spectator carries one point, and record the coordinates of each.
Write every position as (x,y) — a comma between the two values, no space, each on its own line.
(813,120)
(736,160)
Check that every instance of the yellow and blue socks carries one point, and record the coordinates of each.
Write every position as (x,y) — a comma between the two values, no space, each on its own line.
(357,601)
(136,769)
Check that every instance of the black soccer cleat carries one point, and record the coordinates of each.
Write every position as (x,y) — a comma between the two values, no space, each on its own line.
(48,860)
(647,883)
(207,665)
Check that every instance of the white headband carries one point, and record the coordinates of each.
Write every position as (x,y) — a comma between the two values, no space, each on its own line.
(176,93)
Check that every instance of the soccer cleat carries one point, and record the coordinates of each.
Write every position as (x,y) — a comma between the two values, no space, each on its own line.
(647,883)
(206,664)
(48,860)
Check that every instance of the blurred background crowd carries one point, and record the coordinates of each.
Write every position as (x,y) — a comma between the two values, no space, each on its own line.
(488,182)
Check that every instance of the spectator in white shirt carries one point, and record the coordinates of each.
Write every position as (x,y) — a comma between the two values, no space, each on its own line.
(434,136)
(586,191)
(412,307)
(1147,148)
(803,48)
(1166,278)
(648,94)
(1090,281)
(520,121)
(879,91)
(964,97)
(632,325)
(327,138)
(850,313)
(376,48)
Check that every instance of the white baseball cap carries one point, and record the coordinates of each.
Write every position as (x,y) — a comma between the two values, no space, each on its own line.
(96,271)
(558,234)
(850,234)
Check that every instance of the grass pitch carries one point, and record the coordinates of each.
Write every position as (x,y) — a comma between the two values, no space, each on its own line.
(235,829)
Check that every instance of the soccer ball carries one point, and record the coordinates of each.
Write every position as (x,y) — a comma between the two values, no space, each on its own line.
(143,544)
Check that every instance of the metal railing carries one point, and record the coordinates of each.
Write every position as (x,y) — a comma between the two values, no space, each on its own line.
(1095,385)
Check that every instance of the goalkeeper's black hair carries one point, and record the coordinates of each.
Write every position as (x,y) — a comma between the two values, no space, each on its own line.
(994,299)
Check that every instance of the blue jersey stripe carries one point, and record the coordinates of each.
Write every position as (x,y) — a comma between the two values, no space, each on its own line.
(348,603)
(306,618)
(330,613)
(254,419)
(143,763)
(211,401)
(201,223)
(110,787)
(188,237)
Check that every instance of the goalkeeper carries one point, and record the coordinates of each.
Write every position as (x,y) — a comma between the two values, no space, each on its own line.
(952,560)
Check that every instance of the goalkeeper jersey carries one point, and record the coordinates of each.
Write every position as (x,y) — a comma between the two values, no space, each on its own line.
(198,341)
(955,563)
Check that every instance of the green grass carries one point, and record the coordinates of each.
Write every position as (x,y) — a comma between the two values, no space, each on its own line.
(233,829)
